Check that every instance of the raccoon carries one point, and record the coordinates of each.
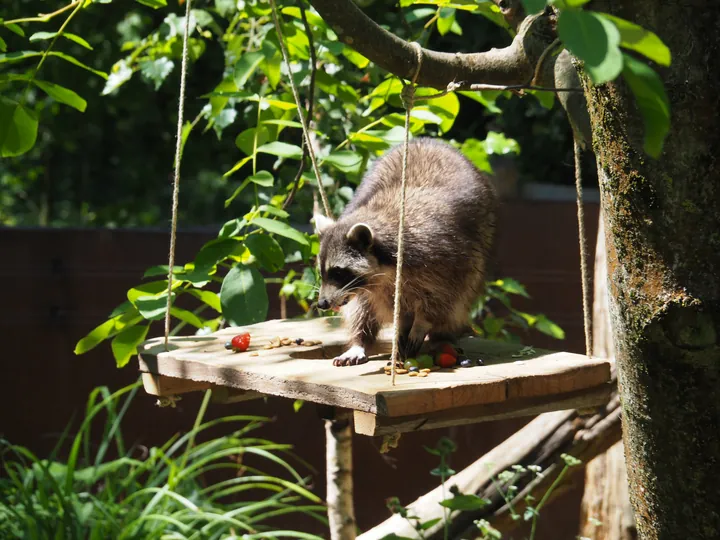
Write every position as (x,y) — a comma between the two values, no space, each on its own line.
(450,213)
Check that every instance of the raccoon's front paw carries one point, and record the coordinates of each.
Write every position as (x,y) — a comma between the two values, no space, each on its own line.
(352,357)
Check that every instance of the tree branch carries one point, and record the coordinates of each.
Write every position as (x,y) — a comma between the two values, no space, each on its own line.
(514,64)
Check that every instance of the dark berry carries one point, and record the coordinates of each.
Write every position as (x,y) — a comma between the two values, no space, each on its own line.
(479,362)
(413,368)
(466,363)
(228,345)
(299,341)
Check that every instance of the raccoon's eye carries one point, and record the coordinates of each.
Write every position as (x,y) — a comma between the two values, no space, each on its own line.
(339,275)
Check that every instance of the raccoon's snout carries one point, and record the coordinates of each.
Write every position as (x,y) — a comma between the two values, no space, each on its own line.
(324,303)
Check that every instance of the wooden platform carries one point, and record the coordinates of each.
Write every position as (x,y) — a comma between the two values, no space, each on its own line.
(511,383)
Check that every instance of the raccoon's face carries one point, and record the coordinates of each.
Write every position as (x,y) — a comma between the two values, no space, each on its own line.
(345,261)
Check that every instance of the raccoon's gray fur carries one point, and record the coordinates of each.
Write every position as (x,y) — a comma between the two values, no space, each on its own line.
(450,213)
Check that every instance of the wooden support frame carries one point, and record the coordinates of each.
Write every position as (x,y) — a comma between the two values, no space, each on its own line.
(374,425)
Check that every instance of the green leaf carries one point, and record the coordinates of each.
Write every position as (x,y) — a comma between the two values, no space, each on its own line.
(245,141)
(279,212)
(246,66)
(125,344)
(18,128)
(465,502)
(281,228)
(271,63)
(297,404)
(594,40)
(575,3)
(446,107)
(262,178)
(37,36)
(119,75)
(3,45)
(445,20)
(266,250)
(215,251)
(425,525)
(442,471)
(152,308)
(638,39)
(156,70)
(78,63)
(651,100)
(511,286)
(155,4)
(243,296)
(474,150)
(208,298)
(15,28)
(239,165)
(281,149)
(546,326)
(108,329)
(497,143)
(345,160)
(187,316)
(533,6)
(62,94)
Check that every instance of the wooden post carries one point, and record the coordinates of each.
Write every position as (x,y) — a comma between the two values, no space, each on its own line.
(606,512)
(341,512)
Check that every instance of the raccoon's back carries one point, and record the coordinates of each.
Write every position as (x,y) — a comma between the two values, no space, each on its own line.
(449,209)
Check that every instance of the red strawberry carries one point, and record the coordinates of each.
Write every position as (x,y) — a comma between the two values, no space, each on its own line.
(449,349)
(241,342)
(446,360)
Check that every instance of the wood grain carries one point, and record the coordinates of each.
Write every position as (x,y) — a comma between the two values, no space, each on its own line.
(302,372)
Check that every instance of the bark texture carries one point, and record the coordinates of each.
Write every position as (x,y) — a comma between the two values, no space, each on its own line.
(341,512)
(606,512)
(663,236)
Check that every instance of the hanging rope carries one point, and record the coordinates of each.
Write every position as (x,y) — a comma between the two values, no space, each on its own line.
(306,130)
(408,98)
(176,180)
(585,278)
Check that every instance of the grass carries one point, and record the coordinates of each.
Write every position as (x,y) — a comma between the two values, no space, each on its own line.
(163,494)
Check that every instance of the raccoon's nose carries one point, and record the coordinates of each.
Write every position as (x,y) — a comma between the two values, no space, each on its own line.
(323,303)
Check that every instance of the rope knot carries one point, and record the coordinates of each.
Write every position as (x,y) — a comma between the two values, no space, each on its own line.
(407,95)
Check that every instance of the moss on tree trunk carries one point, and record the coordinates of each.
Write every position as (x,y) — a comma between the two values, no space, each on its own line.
(663,236)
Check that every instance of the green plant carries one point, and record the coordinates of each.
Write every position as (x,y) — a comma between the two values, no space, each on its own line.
(497,324)
(504,483)
(182,489)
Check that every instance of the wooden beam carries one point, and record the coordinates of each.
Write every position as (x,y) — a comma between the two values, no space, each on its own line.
(372,424)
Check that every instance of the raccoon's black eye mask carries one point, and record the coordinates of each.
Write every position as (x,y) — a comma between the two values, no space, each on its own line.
(342,277)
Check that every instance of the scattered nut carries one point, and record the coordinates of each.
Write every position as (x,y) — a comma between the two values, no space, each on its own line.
(423,374)
(426,370)
(401,371)
(414,374)
(255,353)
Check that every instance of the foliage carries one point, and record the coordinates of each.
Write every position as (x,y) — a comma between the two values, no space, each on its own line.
(356,117)
(495,316)
(598,39)
(163,492)
(505,484)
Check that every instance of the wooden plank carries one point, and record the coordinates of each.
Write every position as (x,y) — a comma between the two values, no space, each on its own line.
(373,425)
(305,372)
(164,386)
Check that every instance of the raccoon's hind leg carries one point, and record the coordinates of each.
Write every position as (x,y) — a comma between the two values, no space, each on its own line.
(364,328)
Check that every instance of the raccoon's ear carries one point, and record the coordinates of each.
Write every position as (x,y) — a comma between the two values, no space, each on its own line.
(322,223)
(360,235)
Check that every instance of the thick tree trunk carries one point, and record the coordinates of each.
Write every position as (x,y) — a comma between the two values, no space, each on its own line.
(663,236)
(606,511)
